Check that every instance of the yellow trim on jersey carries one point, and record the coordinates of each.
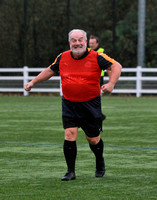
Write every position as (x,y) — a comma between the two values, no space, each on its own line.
(106,57)
(55,60)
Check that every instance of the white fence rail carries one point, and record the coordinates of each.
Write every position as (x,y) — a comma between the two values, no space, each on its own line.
(132,81)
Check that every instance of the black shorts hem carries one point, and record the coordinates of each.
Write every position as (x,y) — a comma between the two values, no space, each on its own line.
(91,126)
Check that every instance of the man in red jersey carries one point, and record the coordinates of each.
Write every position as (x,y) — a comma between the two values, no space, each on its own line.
(80,69)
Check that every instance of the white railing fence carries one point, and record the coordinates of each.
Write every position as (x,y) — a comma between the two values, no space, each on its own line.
(132,81)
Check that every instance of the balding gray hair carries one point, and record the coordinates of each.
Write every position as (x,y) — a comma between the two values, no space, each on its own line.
(75,30)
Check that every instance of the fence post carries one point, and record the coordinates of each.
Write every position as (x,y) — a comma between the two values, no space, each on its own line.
(138,81)
(61,94)
(25,79)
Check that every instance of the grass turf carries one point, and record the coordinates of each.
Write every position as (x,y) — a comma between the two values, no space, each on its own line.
(32,161)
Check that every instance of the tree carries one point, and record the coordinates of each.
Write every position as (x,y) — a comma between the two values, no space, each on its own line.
(49,21)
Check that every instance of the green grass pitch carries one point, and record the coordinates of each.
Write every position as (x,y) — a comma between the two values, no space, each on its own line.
(31,153)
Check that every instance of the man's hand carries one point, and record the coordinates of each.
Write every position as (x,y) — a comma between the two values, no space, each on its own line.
(29,86)
(108,87)
(43,76)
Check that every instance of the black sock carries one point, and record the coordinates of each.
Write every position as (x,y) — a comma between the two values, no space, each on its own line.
(98,150)
(70,152)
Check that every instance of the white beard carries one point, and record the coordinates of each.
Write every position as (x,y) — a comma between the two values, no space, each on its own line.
(78,52)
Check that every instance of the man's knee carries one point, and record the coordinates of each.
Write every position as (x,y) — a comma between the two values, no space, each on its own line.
(93,140)
(71,134)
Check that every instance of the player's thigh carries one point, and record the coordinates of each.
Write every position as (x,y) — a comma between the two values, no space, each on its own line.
(92,127)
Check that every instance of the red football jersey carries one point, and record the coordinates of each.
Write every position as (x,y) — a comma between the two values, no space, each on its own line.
(80,78)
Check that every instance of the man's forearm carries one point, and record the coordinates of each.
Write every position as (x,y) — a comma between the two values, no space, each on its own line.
(43,76)
(115,73)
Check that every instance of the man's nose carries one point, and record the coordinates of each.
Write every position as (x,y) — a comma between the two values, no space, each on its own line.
(77,42)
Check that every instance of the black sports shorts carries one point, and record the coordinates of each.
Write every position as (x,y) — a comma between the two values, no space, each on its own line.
(86,115)
(91,126)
